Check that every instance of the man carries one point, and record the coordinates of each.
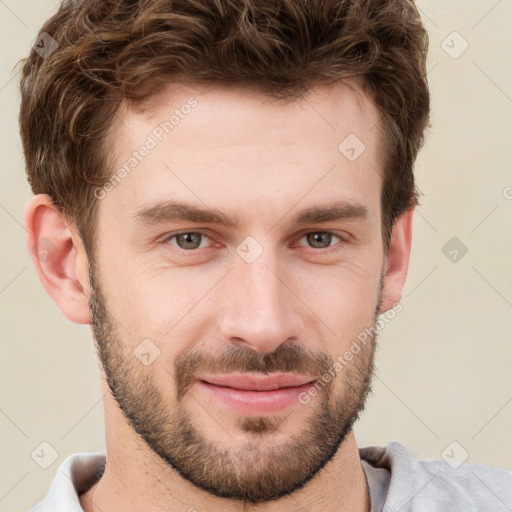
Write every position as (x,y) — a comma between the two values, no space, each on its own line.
(228,193)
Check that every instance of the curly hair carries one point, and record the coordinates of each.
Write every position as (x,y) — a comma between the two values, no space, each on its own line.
(106,52)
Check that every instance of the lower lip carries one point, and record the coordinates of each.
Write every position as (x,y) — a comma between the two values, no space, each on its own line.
(256,402)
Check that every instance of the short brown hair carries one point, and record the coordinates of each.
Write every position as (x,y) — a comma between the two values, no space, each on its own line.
(111,51)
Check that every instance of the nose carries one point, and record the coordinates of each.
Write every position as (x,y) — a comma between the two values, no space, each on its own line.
(260,310)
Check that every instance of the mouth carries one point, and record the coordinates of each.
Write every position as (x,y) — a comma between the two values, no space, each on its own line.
(250,394)
(257,383)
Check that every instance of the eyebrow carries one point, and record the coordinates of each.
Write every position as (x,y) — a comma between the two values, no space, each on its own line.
(169,211)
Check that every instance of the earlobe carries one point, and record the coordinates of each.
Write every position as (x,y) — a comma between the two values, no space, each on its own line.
(397,261)
(58,257)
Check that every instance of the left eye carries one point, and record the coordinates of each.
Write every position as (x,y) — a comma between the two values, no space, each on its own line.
(190,240)
(320,239)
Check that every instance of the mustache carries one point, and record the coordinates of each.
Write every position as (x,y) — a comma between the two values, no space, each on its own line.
(285,358)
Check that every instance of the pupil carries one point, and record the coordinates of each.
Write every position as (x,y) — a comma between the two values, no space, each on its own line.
(318,236)
(189,239)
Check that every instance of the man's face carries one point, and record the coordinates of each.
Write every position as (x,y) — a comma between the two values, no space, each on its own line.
(268,295)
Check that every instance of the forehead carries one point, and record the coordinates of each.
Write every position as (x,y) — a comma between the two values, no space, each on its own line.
(239,113)
(235,147)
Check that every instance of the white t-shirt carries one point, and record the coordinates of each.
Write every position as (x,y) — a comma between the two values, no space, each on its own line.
(397,481)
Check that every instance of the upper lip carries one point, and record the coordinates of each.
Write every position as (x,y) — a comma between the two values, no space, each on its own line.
(257,383)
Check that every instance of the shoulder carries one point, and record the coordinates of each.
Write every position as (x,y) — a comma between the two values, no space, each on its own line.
(439,484)
(73,477)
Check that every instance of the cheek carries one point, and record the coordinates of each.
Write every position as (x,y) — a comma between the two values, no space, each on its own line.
(160,303)
(342,295)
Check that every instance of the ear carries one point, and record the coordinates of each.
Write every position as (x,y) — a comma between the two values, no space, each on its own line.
(59,258)
(397,261)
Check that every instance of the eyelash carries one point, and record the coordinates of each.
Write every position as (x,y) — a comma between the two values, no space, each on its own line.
(170,236)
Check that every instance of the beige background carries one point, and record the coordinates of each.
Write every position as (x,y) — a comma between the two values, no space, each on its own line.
(444,361)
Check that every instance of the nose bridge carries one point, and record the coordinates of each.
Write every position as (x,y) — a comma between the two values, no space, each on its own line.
(260,311)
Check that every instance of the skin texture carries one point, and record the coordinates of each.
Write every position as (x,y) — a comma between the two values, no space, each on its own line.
(294,309)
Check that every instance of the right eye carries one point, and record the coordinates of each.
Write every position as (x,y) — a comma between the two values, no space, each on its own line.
(187,240)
